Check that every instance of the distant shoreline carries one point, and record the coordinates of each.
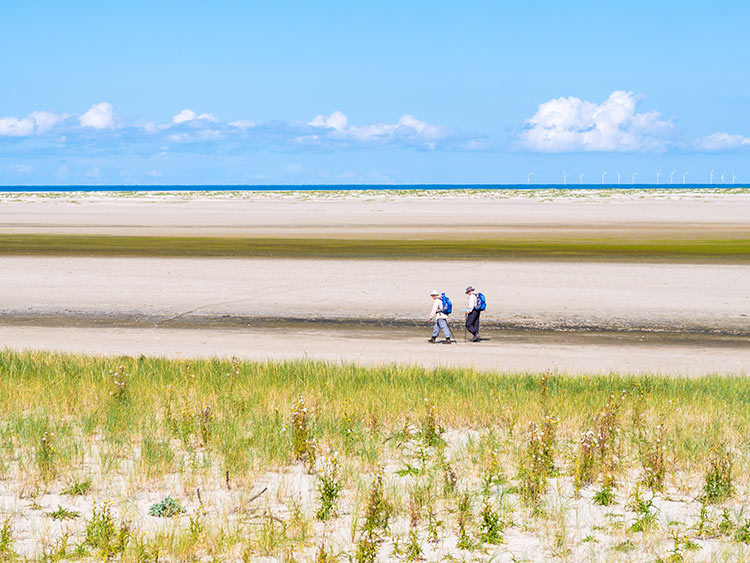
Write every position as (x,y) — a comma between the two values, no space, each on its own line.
(359,187)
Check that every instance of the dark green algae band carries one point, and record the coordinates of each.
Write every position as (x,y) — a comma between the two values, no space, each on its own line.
(695,250)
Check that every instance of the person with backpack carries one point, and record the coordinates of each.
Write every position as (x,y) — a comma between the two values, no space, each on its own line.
(441,308)
(474,308)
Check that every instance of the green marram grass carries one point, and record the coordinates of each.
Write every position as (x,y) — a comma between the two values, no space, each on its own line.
(69,396)
(697,249)
(453,452)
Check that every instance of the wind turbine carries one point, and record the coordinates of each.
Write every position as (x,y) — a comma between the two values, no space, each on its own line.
(632,179)
(603,175)
(618,177)
(528,177)
(722,177)
(565,177)
(684,175)
(734,178)
(580,178)
(657,178)
(671,176)
(711,180)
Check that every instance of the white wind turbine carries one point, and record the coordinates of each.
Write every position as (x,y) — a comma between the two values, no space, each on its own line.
(657,178)
(528,177)
(632,178)
(722,177)
(671,176)
(711,177)
(580,178)
(603,175)
(565,177)
(684,175)
(618,177)
(734,177)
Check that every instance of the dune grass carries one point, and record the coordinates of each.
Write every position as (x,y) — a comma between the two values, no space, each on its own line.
(475,451)
(697,249)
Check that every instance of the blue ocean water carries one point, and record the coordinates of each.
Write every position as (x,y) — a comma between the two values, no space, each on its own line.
(360,187)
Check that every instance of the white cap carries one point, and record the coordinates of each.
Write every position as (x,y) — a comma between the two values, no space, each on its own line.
(435,292)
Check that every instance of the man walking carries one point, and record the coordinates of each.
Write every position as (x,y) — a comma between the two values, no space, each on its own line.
(440,318)
(472,314)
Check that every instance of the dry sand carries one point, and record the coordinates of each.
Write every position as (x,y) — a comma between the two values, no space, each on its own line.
(385,214)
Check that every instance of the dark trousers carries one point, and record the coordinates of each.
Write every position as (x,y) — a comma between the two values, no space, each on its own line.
(472,322)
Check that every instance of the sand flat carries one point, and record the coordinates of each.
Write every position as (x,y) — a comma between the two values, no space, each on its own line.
(357,310)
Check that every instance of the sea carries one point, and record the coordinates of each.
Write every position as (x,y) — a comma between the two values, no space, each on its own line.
(361,187)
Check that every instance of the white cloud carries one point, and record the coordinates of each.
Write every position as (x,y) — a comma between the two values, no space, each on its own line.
(336,120)
(571,124)
(46,120)
(98,116)
(406,126)
(16,127)
(242,124)
(722,141)
(189,115)
(36,122)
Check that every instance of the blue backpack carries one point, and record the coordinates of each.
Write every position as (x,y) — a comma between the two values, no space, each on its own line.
(447,305)
(481,302)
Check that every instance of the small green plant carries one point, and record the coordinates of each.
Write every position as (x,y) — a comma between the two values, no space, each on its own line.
(645,513)
(703,525)
(726,525)
(585,464)
(624,547)
(431,431)
(413,551)
(167,508)
(607,432)
(63,514)
(537,464)
(679,547)
(205,422)
(653,460)
(491,525)
(719,483)
(325,555)
(742,535)
(464,521)
(120,384)
(6,541)
(604,497)
(375,526)
(45,457)
(303,441)
(329,488)
(77,488)
(104,534)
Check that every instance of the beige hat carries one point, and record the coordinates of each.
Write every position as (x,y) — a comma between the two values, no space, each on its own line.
(435,292)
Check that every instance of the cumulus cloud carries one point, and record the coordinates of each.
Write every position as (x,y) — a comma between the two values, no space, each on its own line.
(16,127)
(36,122)
(571,124)
(722,141)
(99,116)
(406,128)
(189,115)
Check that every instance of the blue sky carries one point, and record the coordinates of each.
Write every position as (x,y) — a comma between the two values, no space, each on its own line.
(381,92)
